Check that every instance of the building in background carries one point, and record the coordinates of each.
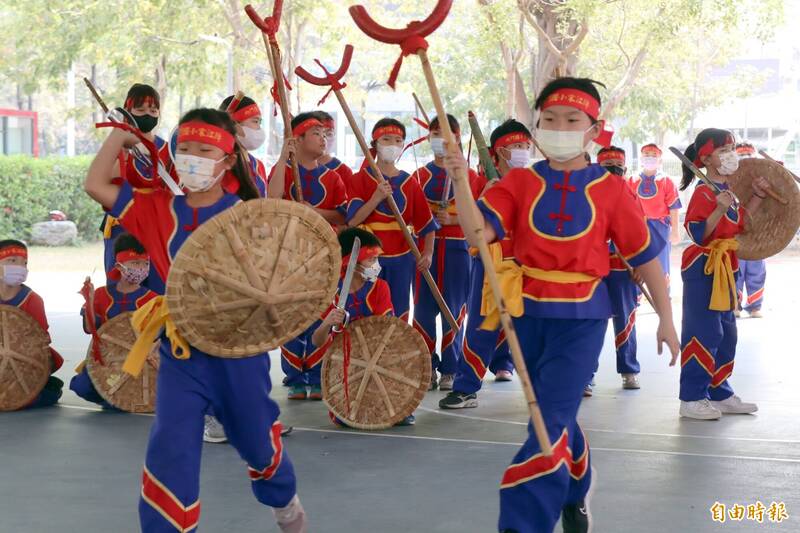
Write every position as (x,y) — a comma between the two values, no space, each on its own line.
(19,132)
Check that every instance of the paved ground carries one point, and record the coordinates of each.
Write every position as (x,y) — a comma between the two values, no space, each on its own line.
(73,469)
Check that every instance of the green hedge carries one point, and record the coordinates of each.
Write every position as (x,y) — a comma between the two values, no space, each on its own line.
(30,188)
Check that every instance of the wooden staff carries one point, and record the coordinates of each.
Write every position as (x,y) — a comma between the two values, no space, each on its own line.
(413,36)
(636,280)
(421,109)
(332,80)
(269,29)
(96,95)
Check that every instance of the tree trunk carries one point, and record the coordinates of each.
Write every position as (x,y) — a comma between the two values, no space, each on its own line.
(161,77)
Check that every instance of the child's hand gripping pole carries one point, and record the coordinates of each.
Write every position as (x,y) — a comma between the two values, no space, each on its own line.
(412,41)
(269,29)
(333,80)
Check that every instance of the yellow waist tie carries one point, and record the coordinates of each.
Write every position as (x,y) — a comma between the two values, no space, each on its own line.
(147,321)
(108,226)
(436,207)
(372,227)
(723,287)
(510,275)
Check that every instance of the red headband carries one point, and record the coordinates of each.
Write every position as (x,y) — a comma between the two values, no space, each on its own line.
(306,125)
(240,115)
(651,149)
(130,255)
(14,251)
(576,98)
(147,100)
(745,150)
(511,138)
(365,253)
(328,123)
(708,149)
(205,133)
(602,157)
(391,129)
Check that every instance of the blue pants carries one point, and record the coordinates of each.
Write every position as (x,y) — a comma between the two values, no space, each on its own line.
(561,355)
(450,271)
(752,275)
(624,295)
(662,228)
(301,361)
(482,349)
(238,392)
(708,345)
(81,384)
(399,273)
(50,394)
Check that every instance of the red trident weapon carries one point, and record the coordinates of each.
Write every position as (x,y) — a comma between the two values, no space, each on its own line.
(333,80)
(269,28)
(412,41)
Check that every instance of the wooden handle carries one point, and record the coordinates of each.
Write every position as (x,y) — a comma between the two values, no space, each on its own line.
(362,142)
(97,97)
(421,109)
(466,205)
(641,286)
(765,155)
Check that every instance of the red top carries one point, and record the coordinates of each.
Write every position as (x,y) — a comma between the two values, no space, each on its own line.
(701,205)
(562,222)
(340,168)
(138,173)
(30,302)
(322,187)
(109,302)
(432,179)
(259,174)
(410,201)
(658,195)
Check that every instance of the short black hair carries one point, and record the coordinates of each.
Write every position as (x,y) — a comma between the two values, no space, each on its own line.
(9,243)
(611,148)
(509,126)
(322,115)
(302,117)
(716,136)
(348,237)
(586,85)
(245,101)
(138,93)
(386,121)
(126,242)
(745,144)
(454,126)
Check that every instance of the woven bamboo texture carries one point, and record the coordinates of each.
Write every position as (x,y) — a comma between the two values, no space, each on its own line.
(774,225)
(123,391)
(24,358)
(389,373)
(253,277)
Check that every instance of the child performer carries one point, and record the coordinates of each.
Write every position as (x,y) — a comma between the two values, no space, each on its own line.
(250,135)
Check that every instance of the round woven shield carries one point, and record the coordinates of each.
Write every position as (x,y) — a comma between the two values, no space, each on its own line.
(389,373)
(24,358)
(123,391)
(253,277)
(775,224)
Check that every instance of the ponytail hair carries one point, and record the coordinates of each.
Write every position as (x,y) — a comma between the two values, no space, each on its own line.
(706,142)
(240,169)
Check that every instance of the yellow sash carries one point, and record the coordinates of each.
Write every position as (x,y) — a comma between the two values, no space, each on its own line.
(511,276)
(108,226)
(723,288)
(372,227)
(436,207)
(147,321)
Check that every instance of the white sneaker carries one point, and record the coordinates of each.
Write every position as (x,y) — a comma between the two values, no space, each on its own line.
(630,381)
(700,410)
(446,381)
(292,518)
(213,431)
(734,405)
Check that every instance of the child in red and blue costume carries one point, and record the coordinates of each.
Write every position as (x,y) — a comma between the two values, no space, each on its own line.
(14,292)
(328,159)
(191,382)
(368,208)
(708,270)
(510,146)
(451,261)
(251,136)
(123,293)
(143,104)
(752,274)
(560,214)
(660,201)
(323,188)
(622,289)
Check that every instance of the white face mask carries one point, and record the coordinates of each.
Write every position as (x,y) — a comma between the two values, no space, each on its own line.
(437,145)
(650,163)
(520,158)
(14,275)
(561,145)
(389,154)
(371,273)
(252,138)
(134,276)
(196,173)
(729,163)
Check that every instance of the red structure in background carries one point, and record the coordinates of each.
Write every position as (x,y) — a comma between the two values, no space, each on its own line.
(19,132)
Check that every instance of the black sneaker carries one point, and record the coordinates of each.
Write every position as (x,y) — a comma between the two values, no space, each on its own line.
(434,382)
(576,518)
(458,400)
